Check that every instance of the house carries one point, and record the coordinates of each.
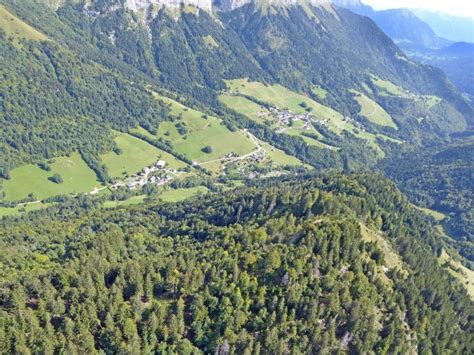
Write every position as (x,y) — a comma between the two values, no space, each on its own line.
(160,164)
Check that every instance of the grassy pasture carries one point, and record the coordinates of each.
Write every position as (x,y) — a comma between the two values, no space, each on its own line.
(373,111)
(19,210)
(389,87)
(135,200)
(244,106)
(392,259)
(251,109)
(202,131)
(210,41)
(320,92)
(182,194)
(430,101)
(17,29)
(279,157)
(77,176)
(283,98)
(438,216)
(136,154)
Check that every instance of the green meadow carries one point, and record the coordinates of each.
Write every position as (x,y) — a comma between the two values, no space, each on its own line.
(17,29)
(77,178)
(389,88)
(136,154)
(182,194)
(279,157)
(19,210)
(373,111)
(198,131)
(135,200)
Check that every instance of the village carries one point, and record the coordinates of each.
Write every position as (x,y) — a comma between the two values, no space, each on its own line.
(155,174)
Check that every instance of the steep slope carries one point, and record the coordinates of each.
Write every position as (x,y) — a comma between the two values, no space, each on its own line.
(402,25)
(326,264)
(456,60)
(406,29)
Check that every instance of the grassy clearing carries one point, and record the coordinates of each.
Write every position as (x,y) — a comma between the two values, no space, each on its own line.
(430,101)
(17,29)
(136,154)
(390,139)
(77,176)
(320,92)
(19,210)
(389,88)
(210,41)
(459,271)
(438,216)
(200,131)
(279,157)
(245,107)
(135,200)
(182,194)
(392,259)
(373,111)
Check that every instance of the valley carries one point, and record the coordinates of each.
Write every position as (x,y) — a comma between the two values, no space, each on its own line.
(231,177)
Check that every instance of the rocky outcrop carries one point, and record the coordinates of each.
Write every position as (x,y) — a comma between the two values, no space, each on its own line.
(207,5)
(137,5)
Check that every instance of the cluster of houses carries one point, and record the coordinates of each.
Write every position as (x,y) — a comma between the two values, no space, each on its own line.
(285,117)
(355,123)
(258,156)
(145,177)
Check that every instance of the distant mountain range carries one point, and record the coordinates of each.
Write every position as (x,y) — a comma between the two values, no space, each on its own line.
(453,28)
(428,37)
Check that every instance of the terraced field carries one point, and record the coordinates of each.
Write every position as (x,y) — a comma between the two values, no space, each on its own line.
(77,178)
(373,111)
(135,155)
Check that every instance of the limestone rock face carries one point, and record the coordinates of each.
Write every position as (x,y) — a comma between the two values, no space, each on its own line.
(137,5)
(206,5)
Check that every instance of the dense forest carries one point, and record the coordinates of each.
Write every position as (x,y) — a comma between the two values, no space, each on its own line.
(284,266)
(441,179)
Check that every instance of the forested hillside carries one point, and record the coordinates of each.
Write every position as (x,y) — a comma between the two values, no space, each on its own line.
(320,264)
(442,179)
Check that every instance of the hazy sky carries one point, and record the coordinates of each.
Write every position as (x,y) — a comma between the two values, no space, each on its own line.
(463,8)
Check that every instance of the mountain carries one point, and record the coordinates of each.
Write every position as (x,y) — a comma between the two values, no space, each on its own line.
(328,263)
(159,49)
(402,25)
(421,43)
(405,28)
(454,28)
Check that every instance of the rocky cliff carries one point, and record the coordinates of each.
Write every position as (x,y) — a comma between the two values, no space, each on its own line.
(207,5)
